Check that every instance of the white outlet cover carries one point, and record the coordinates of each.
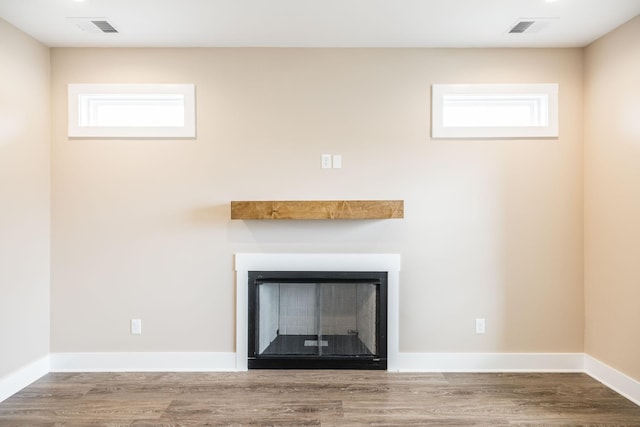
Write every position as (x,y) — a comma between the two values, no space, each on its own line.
(480,326)
(337,161)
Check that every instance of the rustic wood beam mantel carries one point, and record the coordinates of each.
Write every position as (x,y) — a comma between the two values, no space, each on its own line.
(318,209)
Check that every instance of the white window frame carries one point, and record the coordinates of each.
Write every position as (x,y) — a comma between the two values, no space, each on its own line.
(78,129)
(547,128)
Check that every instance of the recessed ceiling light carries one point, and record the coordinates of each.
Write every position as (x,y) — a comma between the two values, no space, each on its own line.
(548,1)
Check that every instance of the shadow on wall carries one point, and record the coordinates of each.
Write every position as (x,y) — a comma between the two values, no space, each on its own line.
(348,235)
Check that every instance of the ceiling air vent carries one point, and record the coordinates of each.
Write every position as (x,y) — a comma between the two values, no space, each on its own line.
(521,27)
(94,25)
(530,25)
(104,26)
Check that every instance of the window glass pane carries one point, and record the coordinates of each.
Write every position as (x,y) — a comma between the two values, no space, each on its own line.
(495,110)
(132,110)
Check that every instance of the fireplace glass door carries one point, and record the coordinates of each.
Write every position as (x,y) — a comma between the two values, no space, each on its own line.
(322,319)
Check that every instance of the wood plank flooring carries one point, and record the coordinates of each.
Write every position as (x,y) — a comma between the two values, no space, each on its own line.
(316,398)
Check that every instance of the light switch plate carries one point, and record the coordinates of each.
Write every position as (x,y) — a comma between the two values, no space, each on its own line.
(326,161)
(136,326)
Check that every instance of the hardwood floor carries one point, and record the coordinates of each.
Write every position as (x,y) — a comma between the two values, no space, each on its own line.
(317,398)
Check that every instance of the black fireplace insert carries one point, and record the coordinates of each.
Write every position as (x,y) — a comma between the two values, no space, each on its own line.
(317,320)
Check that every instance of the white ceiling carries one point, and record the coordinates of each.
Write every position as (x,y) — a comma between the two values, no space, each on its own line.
(319,23)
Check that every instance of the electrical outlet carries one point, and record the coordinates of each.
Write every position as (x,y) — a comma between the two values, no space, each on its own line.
(480,326)
(136,326)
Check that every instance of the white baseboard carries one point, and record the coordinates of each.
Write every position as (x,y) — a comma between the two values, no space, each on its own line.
(143,362)
(406,362)
(490,362)
(17,380)
(612,378)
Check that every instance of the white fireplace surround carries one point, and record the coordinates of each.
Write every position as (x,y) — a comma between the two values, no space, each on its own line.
(389,263)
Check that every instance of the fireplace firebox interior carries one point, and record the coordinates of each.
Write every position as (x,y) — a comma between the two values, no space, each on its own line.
(316,320)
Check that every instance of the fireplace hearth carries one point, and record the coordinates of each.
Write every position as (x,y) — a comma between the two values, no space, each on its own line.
(317,319)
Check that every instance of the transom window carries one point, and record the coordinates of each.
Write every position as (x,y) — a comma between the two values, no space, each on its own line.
(132,110)
(495,111)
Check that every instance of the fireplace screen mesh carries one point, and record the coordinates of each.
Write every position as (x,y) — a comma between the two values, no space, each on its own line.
(331,319)
(317,316)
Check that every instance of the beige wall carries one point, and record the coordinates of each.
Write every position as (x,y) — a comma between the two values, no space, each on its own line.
(24,199)
(612,199)
(493,228)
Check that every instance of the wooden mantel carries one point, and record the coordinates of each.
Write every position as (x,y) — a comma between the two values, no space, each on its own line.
(318,209)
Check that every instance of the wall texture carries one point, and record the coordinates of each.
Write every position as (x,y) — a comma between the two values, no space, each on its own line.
(493,228)
(24,199)
(612,198)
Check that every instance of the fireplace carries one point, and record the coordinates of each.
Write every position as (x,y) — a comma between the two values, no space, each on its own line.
(317,319)
(340,274)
